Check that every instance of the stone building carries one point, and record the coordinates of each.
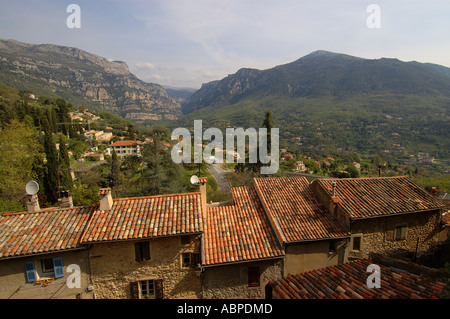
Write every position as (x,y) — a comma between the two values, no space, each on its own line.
(241,252)
(124,149)
(41,256)
(382,213)
(309,235)
(146,247)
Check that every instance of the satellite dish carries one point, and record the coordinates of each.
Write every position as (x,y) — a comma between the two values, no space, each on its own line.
(194,180)
(32,188)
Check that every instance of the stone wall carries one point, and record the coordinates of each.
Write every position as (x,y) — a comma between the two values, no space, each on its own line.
(231,281)
(114,268)
(379,233)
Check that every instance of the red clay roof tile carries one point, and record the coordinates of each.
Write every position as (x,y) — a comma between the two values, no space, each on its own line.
(295,211)
(348,281)
(146,217)
(49,230)
(371,197)
(240,232)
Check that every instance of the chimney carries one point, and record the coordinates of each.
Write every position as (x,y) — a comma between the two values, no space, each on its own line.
(379,170)
(33,203)
(202,182)
(106,200)
(66,200)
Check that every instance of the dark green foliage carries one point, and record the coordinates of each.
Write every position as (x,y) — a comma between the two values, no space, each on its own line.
(65,181)
(51,171)
(115,170)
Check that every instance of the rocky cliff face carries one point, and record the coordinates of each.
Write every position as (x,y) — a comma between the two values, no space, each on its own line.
(70,72)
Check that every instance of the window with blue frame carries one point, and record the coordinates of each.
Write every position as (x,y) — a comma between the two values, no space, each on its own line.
(49,267)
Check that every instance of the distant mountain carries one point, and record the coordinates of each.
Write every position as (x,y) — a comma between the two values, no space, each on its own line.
(328,101)
(323,73)
(84,78)
(180,94)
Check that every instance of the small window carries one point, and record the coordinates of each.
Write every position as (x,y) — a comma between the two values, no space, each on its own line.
(192,260)
(142,251)
(185,260)
(47,266)
(253,276)
(400,232)
(357,243)
(332,246)
(52,266)
(147,289)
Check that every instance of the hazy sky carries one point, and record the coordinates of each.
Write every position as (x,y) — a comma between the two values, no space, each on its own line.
(185,43)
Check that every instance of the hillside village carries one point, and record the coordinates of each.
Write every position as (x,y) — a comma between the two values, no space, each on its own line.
(280,238)
(287,237)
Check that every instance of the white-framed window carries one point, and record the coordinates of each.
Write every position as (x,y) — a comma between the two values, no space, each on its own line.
(147,289)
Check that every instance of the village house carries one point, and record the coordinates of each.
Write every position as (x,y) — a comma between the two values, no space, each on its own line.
(178,246)
(381,213)
(146,247)
(40,253)
(241,252)
(300,166)
(309,235)
(100,136)
(126,148)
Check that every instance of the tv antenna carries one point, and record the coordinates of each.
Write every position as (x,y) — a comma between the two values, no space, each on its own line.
(194,180)
(32,188)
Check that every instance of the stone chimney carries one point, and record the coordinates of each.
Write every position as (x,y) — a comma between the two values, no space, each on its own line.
(202,182)
(66,200)
(106,200)
(33,203)
(333,189)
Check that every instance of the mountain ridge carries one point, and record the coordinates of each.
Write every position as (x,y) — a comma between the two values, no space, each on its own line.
(323,73)
(78,75)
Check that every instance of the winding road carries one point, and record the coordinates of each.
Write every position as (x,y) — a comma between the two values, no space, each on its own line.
(219,175)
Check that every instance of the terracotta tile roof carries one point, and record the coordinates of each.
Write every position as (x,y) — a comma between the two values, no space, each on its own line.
(146,217)
(240,232)
(203,180)
(46,231)
(372,197)
(349,281)
(295,211)
(126,143)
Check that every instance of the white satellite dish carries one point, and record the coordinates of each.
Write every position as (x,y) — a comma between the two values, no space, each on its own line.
(32,188)
(194,180)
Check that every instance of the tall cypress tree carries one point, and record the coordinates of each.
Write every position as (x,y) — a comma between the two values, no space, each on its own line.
(51,167)
(64,166)
(115,170)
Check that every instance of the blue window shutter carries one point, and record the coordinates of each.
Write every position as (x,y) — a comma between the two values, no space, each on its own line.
(30,271)
(58,267)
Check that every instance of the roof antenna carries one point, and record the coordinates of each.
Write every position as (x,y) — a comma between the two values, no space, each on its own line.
(194,180)
(32,188)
